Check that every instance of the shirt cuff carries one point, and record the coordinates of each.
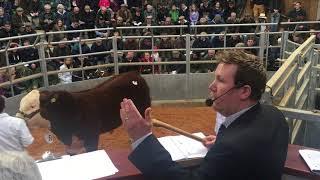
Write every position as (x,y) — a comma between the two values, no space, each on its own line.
(135,144)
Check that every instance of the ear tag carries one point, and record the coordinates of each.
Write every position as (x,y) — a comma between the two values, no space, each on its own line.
(135,83)
(53,100)
(48,137)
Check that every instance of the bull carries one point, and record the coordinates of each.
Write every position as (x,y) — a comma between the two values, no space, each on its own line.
(85,114)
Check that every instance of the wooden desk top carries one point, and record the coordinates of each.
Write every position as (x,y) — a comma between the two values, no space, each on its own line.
(294,165)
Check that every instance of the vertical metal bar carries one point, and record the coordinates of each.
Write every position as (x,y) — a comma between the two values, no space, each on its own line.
(225,39)
(115,54)
(82,61)
(43,64)
(284,40)
(9,71)
(152,51)
(188,83)
(267,47)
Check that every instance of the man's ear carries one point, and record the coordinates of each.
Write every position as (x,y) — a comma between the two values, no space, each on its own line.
(245,92)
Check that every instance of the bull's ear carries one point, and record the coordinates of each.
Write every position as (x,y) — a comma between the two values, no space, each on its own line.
(54,98)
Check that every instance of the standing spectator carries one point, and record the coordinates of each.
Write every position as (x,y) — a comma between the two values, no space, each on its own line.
(296,15)
(66,77)
(258,7)
(47,18)
(14,133)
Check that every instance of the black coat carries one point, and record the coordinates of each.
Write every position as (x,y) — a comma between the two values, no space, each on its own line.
(253,147)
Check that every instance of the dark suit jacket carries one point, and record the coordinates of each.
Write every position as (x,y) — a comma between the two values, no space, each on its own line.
(253,147)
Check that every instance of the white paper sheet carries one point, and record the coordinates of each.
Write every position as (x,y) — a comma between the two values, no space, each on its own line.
(84,166)
(182,147)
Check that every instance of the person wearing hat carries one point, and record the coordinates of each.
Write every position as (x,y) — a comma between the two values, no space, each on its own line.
(19,19)
(125,14)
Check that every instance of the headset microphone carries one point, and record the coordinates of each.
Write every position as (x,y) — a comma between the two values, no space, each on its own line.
(210,101)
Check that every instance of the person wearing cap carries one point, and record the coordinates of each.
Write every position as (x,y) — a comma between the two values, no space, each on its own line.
(19,19)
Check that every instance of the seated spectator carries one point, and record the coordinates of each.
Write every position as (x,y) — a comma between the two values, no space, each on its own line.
(62,49)
(194,15)
(174,14)
(28,30)
(75,25)
(63,15)
(203,21)
(150,12)
(251,42)
(217,9)
(7,7)
(65,3)
(66,77)
(205,8)
(131,43)
(138,18)
(88,18)
(8,31)
(14,55)
(105,14)
(18,166)
(162,14)
(146,69)
(75,14)
(231,7)
(217,20)
(47,18)
(33,9)
(125,14)
(130,57)
(75,50)
(233,20)
(246,20)
(182,30)
(176,68)
(3,18)
(15,135)
(58,26)
(19,19)
(101,23)
(218,41)
(98,46)
(184,11)
(29,53)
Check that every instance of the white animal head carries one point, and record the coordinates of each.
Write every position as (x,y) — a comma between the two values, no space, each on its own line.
(29,104)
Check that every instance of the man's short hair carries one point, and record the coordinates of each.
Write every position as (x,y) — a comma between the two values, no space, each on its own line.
(2,104)
(250,71)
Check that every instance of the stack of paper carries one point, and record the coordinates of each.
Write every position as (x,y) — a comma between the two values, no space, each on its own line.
(312,158)
(182,147)
(85,166)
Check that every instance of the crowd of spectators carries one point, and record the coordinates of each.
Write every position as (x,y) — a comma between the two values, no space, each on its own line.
(22,17)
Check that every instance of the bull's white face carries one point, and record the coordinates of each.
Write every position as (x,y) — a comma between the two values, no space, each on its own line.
(29,104)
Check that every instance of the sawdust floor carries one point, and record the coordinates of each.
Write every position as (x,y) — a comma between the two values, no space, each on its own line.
(191,119)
